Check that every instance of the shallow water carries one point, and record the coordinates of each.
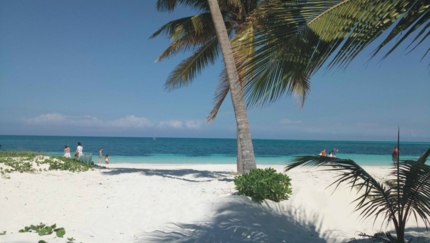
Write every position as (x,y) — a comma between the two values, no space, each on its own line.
(210,151)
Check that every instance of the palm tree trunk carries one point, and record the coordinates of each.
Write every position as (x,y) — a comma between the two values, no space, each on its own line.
(239,156)
(243,131)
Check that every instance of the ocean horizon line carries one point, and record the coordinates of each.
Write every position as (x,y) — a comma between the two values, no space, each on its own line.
(224,138)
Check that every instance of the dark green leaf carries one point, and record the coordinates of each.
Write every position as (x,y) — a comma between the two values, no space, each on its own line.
(60,232)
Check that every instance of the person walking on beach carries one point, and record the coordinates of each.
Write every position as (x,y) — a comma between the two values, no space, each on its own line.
(395,155)
(107,159)
(323,153)
(66,151)
(100,155)
(79,150)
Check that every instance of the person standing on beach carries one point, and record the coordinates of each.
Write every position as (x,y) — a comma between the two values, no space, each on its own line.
(323,153)
(66,151)
(333,152)
(100,155)
(395,155)
(107,159)
(79,150)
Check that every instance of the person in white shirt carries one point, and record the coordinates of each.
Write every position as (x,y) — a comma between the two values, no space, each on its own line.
(79,150)
(66,151)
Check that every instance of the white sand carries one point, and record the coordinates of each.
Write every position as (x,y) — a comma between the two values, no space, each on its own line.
(179,203)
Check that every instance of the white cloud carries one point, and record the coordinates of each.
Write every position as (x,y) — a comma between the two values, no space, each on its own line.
(172,124)
(89,121)
(47,118)
(193,124)
(288,121)
(177,124)
(90,117)
(130,122)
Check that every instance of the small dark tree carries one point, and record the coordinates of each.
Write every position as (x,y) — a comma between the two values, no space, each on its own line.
(395,199)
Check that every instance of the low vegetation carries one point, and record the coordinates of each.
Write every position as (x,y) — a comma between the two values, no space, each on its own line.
(260,184)
(43,229)
(29,162)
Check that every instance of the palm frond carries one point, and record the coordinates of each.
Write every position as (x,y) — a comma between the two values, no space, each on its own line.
(415,190)
(297,39)
(416,16)
(406,194)
(220,94)
(422,159)
(186,71)
(170,29)
(274,75)
(169,5)
(187,34)
(374,198)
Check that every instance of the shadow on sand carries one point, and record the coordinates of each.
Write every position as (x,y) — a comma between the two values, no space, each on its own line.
(414,233)
(189,175)
(238,219)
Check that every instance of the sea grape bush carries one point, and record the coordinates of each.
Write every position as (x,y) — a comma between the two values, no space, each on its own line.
(260,184)
(69,164)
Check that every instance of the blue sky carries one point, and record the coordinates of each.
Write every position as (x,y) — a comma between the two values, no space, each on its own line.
(86,68)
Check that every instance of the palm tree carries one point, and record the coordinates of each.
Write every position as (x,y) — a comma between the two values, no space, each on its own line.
(395,200)
(279,44)
(237,97)
(198,33)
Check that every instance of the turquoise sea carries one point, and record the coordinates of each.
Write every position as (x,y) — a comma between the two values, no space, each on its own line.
(210,150)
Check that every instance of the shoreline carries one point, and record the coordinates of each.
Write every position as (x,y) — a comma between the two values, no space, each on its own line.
(180,203)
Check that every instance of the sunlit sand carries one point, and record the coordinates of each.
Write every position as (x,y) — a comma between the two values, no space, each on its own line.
(179,203)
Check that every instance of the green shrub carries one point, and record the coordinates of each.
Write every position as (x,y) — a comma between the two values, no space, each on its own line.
(262,184)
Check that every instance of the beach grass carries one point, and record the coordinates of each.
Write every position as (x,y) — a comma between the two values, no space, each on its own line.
(30,162)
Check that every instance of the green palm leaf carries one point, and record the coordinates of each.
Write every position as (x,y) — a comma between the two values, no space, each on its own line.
(301,37)
(169,5)
(422,159)
(374,198)
(221,92)
(186,34)
(415,190)
(395,200)
(186,71)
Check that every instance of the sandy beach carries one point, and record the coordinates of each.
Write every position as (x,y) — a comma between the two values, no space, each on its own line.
(180,203)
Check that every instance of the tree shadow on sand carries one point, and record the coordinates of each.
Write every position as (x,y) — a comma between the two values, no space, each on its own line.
(417,234)
(238,219)
(189,175)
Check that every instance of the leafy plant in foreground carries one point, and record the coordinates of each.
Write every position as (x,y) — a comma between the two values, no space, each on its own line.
(43,229)
(406,194)
(260,184)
